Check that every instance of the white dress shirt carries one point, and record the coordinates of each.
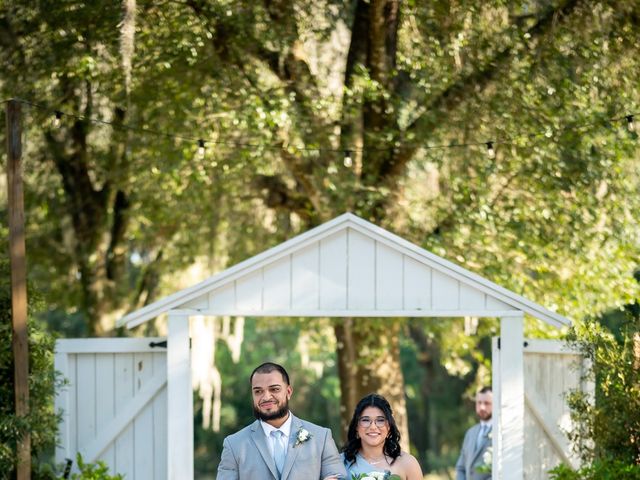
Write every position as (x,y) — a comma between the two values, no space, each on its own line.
(285,428)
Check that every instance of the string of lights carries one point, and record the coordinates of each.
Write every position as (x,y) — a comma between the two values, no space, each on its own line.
(489,144)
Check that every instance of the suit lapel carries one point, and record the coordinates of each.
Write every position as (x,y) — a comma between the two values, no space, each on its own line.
(479,448)
(292,451)
(259,439)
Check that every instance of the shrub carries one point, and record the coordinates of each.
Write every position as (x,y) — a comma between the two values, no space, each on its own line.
(42,419)
(599,470)
(606,432)
(93,471)
(610,428)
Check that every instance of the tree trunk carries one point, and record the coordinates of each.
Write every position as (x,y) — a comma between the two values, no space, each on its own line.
(99,213)
(428,357)
(369,362)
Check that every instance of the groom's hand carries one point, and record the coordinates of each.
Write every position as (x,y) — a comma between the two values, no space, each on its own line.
(336,476)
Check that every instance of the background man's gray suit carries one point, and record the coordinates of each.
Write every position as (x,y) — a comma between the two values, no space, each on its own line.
(246,455)
(471,457)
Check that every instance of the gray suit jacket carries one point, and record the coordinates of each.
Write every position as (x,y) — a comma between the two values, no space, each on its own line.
(246,455)
(470,457)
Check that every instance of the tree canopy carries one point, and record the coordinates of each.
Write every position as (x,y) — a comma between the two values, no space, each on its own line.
(309,109)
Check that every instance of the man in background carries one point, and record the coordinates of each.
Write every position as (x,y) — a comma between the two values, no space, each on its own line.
(476,441)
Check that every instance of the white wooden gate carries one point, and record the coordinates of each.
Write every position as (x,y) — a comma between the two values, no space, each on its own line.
(551,370)
(115,404)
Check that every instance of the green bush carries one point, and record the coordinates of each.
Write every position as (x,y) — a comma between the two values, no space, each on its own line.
(599,470)
(93,471)
(42,419)
(606,432)
(610,427)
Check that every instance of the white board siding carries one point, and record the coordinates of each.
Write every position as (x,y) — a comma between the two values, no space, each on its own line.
(179,399)
(143,425)
(198,303)
(305,284)
(333,272)
(471,298)
(389,277)
(86,397)
(446,292)
(249,292)
(277,281)
(347,243)
(124,392)
(511,400)
(550,372)
(360,272)
(105,400)
(495,304)
(496,420)
(223,299)
(346,274)
(417,285)
(105,377)
(159,427)
(65,402)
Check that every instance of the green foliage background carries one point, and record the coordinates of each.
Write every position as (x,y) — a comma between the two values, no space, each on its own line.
(116,215)
(610,427)
(42,419)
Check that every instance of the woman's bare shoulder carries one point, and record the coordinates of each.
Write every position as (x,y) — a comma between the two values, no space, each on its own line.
(409,465)
(406,458)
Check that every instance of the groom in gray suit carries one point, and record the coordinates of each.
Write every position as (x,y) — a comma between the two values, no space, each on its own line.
(477,440)
(278,445)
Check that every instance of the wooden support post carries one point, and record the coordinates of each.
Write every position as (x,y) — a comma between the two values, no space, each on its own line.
(179,399)
(17,254)
(511,398)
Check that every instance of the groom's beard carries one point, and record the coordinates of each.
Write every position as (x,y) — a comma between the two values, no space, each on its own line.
(484,416)
(280,413)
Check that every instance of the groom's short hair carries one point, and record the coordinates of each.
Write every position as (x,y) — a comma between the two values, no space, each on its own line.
(269,367)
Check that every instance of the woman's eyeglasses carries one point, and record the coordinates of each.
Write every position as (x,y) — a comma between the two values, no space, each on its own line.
(366,422)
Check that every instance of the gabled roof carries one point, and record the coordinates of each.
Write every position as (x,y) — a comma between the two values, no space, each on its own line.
(346,267)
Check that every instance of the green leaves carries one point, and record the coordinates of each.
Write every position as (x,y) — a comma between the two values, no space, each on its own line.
(278,91)
(609,428)
(93,471)
(42,420)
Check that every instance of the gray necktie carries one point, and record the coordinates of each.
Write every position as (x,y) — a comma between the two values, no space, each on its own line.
(484,429)
(278,450)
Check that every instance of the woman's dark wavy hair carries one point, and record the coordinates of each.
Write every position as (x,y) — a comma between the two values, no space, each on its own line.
(391,446)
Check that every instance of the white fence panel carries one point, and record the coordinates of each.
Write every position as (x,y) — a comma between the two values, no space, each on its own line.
(115,404)
(551,370)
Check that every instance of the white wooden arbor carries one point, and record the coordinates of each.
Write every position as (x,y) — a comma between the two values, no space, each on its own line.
(347,267)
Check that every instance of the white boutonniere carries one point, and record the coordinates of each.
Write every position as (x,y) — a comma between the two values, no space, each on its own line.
(301,437)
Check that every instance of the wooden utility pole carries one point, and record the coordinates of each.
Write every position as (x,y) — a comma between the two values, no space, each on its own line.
(17,254)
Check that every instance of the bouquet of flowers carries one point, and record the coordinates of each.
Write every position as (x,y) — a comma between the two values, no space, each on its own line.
(487,458)
(386,475)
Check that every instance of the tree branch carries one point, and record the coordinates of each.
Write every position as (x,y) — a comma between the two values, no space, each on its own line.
(475,81)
